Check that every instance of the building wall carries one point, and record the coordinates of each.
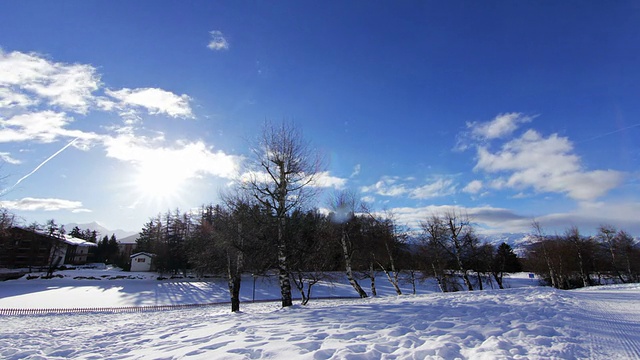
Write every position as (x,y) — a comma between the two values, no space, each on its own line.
(22,249)
(141,263)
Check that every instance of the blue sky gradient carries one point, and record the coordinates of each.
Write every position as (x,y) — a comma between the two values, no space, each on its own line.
(508,111)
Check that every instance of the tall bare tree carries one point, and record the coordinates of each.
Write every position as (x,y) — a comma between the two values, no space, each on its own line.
(281,174)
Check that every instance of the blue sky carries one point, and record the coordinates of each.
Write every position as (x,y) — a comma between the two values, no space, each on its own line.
(116,111)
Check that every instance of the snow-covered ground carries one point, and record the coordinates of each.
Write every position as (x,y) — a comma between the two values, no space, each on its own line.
(523,322)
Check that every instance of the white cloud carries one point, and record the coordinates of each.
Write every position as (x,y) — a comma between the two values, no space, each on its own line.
(368,199)
(6,157)
(188,158)
(473,187)
(502,125)
(9,99)
(156,101)
(34,204)
(546,165)
(44,126)
(394,186)
(217,42)
(69,86)
(441,187)
(387,186)
(325,180)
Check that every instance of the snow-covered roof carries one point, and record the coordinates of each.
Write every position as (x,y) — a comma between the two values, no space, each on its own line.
(142,254)
(68,239)
(79,242)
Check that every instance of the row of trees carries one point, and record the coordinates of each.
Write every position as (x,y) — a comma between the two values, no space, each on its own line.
(573,260)
(240,236)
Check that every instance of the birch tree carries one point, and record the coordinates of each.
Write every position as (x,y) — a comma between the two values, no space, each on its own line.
(343,206)
(281,175)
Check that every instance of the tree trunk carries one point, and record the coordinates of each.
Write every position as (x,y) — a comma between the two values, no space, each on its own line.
(372,275)
(467,281)
(299,283)
(498,277)
(479,280)
(347,264)
(412,275)
(234,290)
(234,279)
(391,280)
(438,278)
(392,262)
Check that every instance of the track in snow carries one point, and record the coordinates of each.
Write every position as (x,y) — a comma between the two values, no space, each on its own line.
(614,322)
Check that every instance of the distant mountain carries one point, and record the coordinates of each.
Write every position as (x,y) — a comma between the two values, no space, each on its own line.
(101,230)
(129,239)
(517,241)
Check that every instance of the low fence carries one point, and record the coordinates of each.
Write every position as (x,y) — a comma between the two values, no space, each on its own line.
(136,309)
(126,309)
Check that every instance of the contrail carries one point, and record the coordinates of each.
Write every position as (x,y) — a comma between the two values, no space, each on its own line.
(38,167)
(609,133)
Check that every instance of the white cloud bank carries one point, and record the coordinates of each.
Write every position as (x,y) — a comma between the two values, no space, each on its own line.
(35,204)
(545,164)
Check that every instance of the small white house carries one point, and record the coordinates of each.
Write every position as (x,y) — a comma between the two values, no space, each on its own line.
(142,261)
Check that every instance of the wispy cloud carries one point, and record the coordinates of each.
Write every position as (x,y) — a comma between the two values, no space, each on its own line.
(38,167)
(394,186)
(356,171)
(217,41)
(43,126)
(437,188)
(501,126)
(473,187)
(47,204)
(386,186)
(155,101)
(6,157)
(28,79)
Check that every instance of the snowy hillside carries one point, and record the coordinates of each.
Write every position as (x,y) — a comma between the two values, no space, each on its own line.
(517,241)
(526,322)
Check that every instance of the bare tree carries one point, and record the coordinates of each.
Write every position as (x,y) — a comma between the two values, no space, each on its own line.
(57,253)
(343,205)
(453,233)
(7,220)
(434,234)
(543,245)
(311,251)
(281,175)
(384,234)
(583,250)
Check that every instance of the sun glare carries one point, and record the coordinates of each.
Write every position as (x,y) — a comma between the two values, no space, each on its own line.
(156,181)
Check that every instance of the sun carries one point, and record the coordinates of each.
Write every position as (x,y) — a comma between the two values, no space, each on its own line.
(158,181)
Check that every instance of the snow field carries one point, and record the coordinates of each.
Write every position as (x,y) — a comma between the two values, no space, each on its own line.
(525,323)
